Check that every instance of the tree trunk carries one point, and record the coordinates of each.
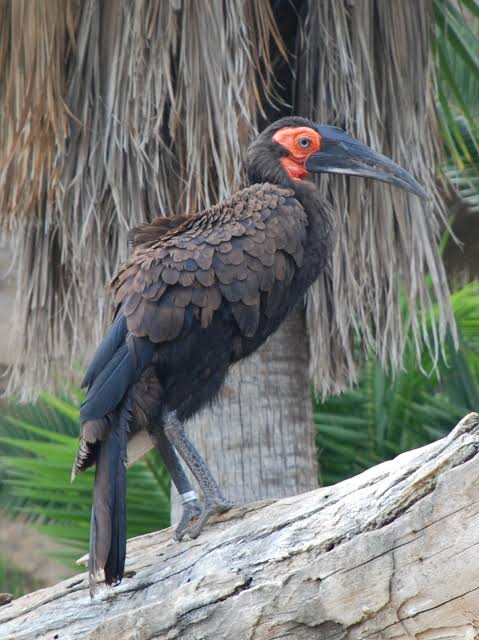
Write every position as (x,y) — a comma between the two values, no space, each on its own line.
(259,439)
(391,553)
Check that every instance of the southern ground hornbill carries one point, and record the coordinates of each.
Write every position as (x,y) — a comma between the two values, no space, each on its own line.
(198,293)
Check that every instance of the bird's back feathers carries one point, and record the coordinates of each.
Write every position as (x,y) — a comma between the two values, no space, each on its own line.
(234,252)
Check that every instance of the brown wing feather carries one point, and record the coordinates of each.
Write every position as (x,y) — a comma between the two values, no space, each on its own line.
(243,251)
(154,230)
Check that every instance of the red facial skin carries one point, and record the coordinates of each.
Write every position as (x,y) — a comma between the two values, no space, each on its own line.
(294,163)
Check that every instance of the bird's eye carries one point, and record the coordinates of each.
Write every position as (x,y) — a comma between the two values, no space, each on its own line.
(304,142)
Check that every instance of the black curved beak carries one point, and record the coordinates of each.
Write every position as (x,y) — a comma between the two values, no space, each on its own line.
(339,153)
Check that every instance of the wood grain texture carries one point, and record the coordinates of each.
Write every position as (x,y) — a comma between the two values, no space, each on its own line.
(391,553)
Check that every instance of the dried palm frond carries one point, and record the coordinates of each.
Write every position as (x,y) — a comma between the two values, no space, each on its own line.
(34,39)
(162,98)
(367,67)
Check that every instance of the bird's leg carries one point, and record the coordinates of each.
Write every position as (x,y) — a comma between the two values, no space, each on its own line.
(188,497)
(214,501)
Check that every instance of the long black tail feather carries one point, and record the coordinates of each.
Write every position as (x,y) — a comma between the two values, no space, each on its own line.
(108,518)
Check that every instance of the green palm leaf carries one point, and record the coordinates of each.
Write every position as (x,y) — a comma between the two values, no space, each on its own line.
(37,447)
(386,415)
(456,45)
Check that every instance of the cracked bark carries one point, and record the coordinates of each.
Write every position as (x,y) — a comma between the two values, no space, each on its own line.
(391,553)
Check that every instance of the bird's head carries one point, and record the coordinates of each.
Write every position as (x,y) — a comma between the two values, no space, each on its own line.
(291,149)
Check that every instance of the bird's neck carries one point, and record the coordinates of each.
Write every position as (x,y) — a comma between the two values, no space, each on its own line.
(321,235)
(315,205)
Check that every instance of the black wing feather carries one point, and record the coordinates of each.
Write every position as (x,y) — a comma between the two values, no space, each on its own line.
(113,339)
(110,385)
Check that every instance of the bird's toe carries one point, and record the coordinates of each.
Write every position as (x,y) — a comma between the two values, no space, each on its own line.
(211,506)
(191,511)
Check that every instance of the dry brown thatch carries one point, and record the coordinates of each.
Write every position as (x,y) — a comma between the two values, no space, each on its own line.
(367,67)
(118,111)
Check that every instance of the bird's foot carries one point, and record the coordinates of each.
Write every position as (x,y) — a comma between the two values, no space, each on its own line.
(191,511)
(211,506)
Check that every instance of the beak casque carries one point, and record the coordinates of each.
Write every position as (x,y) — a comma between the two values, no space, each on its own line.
(339,153)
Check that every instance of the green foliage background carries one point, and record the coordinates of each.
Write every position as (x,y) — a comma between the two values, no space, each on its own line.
(387,414)
(38,445)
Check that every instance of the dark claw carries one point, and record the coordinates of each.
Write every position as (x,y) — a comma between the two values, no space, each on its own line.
(211,506)
(191,510)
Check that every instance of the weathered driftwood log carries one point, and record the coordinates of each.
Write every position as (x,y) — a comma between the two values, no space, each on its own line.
(392,553)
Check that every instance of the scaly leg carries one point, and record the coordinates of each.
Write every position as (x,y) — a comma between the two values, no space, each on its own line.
(214,502)
(189,501)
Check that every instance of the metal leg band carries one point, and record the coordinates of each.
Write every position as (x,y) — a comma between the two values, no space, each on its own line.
(189,496)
